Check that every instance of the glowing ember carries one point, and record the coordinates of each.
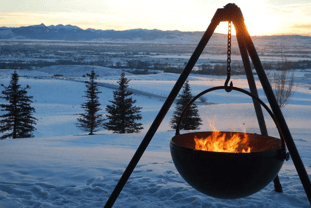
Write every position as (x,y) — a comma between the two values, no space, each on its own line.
(219,142)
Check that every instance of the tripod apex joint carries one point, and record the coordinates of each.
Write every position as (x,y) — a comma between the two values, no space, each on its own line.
(230,12)
(230,5)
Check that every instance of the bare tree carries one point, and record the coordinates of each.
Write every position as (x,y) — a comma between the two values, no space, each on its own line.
(283,82)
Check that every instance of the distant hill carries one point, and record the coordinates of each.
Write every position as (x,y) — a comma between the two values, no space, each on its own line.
(74,33)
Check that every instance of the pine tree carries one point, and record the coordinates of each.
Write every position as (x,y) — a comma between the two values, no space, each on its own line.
(90,120)
(122,114)
(18,122)
(191,119)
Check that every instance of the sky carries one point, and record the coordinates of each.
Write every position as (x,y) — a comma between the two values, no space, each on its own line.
(262,17)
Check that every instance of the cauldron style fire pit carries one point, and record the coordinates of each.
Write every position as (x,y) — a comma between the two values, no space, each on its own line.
(227,175)
(256,168)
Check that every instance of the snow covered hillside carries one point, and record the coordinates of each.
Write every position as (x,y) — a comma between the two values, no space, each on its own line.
(64,167)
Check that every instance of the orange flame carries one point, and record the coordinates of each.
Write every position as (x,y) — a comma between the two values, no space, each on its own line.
(217,142)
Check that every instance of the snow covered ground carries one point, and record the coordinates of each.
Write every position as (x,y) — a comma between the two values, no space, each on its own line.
(64,167)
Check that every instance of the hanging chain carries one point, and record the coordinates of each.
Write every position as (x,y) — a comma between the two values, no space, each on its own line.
(229,50)
(227,88)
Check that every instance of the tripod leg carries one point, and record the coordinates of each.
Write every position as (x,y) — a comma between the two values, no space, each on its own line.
(277,185)
(253,89)
(303,175)
(167,104)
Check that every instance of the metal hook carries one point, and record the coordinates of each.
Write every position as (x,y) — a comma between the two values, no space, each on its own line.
(227,88)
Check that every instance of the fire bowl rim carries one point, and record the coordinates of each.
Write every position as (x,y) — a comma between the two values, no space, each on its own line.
(246,154)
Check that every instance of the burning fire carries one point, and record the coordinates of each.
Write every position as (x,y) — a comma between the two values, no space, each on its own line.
(217,142)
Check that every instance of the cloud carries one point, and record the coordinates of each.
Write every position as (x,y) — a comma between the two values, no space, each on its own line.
(289,9)
(302,26)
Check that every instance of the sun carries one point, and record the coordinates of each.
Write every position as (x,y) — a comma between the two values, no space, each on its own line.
(258,17)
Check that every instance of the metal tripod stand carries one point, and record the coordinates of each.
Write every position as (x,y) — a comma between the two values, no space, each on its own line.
(230,13)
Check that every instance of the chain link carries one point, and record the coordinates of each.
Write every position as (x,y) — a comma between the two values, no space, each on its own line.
(229,50)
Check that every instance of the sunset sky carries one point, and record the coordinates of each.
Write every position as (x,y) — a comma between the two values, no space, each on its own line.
(262,17)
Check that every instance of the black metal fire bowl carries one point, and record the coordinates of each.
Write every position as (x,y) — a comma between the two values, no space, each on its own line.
(227,175)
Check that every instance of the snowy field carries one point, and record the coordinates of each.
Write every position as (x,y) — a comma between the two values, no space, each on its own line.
(64,167)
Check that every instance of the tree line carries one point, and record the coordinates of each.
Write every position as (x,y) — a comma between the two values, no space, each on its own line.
(142,67)
(122,114)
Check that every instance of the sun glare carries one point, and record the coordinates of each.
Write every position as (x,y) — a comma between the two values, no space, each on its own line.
(261,22)
(259,19)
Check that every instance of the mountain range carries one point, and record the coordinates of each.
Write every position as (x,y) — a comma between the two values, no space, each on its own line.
(74,33)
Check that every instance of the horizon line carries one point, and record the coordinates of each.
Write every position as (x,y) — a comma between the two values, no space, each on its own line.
(60,24)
